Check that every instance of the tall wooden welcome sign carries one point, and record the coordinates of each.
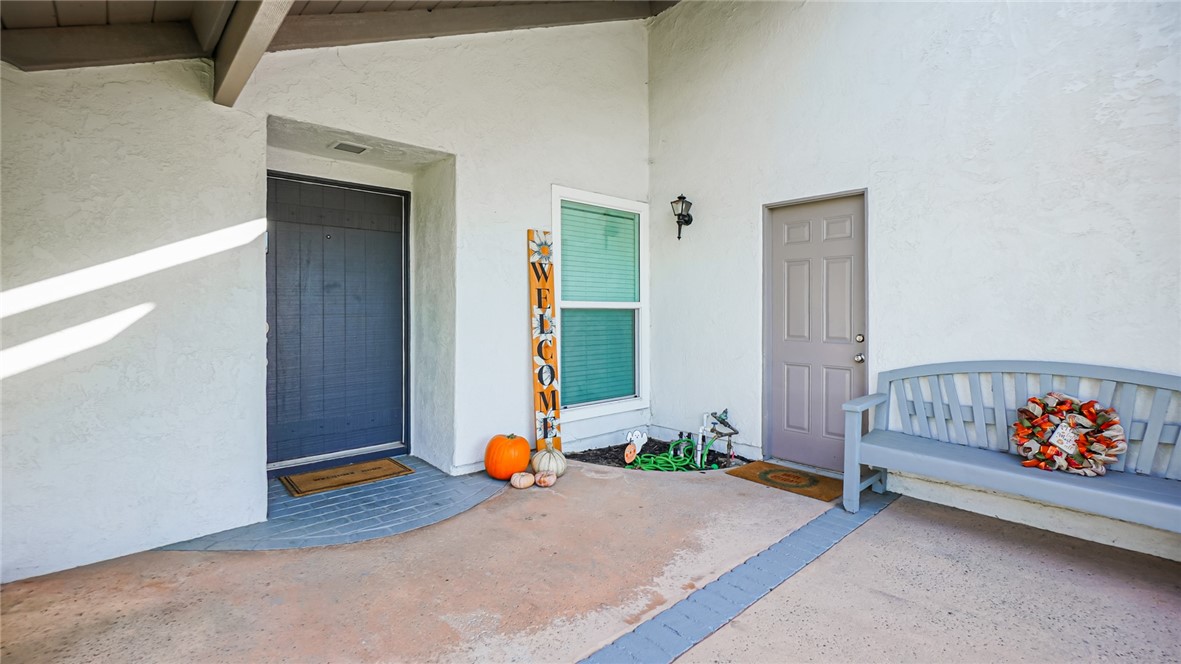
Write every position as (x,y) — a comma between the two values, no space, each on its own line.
(544,349)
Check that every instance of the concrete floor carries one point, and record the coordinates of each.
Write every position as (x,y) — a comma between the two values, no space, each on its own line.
(553,575)
(546,575)
(925,583)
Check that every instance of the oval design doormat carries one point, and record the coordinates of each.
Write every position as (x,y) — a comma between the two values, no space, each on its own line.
(353,474)
(789,479)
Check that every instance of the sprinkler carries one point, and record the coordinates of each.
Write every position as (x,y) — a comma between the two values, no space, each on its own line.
(684,454)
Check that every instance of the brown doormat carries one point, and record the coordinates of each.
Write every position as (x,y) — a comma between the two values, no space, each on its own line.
(318,481)
(790,479)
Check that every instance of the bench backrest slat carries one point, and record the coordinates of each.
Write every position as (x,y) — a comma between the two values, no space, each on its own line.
(1127,404)
(957,411)
(1173,470)
(1001,414)
(985,419)
(903,408)
(1106,392)
(916,393)
(941,411)
(1152,432)
(1021,388)
(978,420)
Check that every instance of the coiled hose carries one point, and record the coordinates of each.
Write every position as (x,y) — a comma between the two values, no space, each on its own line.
(671,462)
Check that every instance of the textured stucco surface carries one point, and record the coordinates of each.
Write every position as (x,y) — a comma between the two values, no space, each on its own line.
(156,435)
(520,111)
(432,347)
(303,163)
(1022,161)
(979,130)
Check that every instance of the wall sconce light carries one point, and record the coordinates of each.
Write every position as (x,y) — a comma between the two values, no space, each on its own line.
(681,208)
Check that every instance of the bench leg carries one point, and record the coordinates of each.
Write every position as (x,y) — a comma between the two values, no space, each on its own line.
(852,479)
(879,485)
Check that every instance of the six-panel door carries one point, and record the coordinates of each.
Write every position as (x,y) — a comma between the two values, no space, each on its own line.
(816,286)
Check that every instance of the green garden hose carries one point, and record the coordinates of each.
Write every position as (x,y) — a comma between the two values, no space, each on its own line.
(669,462)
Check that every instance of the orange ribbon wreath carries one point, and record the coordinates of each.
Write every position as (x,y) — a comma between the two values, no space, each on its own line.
(1060,432)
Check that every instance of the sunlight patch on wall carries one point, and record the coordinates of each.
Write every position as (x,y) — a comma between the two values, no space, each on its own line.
(32,354)
(86,280)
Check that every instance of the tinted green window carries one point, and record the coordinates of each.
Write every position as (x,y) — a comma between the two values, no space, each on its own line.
(600,254)
(598,355)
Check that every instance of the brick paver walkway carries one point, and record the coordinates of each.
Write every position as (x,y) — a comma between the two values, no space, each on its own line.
(354,514)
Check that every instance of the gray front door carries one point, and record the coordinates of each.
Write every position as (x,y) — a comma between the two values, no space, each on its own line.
(335,307)
(815,267)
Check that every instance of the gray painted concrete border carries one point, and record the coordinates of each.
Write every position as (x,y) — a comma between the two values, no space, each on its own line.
(354,514)
(671,633)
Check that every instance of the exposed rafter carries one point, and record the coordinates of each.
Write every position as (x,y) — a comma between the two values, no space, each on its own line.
(39,49)
(251,28)
(45,35)
(209,20)
(312,31)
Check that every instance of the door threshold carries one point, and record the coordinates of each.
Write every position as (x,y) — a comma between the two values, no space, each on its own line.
(815,470)
(392,448)
(336,463)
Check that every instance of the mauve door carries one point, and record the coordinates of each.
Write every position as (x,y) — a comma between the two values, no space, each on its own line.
(335,308)
(815,362)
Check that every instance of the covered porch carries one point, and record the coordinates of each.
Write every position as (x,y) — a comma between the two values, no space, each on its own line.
(613,565)
(345,191)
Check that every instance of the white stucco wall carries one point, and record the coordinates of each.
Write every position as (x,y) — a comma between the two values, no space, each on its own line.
(301,163)
(979,130)
(1008,149)
(520,111)
(433,306)
(157,434)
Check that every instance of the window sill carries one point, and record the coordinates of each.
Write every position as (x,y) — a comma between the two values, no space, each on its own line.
(579,413)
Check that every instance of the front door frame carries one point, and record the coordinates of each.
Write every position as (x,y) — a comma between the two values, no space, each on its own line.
(406,292)
(766,326)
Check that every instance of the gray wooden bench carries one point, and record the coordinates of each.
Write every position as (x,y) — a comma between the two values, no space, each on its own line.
(939,421)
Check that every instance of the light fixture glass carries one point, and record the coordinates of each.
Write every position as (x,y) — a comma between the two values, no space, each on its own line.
(681,207)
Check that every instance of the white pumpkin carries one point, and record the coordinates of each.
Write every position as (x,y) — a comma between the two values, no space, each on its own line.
(549,460)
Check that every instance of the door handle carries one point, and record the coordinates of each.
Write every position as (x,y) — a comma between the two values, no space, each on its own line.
(859,358)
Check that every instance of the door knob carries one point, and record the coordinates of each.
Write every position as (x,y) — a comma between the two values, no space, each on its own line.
(859,358)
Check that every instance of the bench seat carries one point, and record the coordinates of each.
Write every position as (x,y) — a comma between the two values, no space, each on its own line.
(1152,501)
(953,422)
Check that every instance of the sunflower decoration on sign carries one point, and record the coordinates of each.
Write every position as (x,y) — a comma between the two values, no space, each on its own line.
(541,248)
(1060,432)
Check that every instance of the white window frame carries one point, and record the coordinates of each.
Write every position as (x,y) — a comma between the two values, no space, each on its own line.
(626,404)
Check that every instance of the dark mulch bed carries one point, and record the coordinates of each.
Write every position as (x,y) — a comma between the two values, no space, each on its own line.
(613,456)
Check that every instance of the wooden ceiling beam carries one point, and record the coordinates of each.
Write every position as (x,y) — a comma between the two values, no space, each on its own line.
(248,33)
(209,20)
(312,31)
(40,49)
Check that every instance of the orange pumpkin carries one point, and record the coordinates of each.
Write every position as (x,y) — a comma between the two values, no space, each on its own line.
(506,455)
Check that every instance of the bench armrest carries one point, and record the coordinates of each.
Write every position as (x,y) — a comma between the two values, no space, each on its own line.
(854,412)
(862,404)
